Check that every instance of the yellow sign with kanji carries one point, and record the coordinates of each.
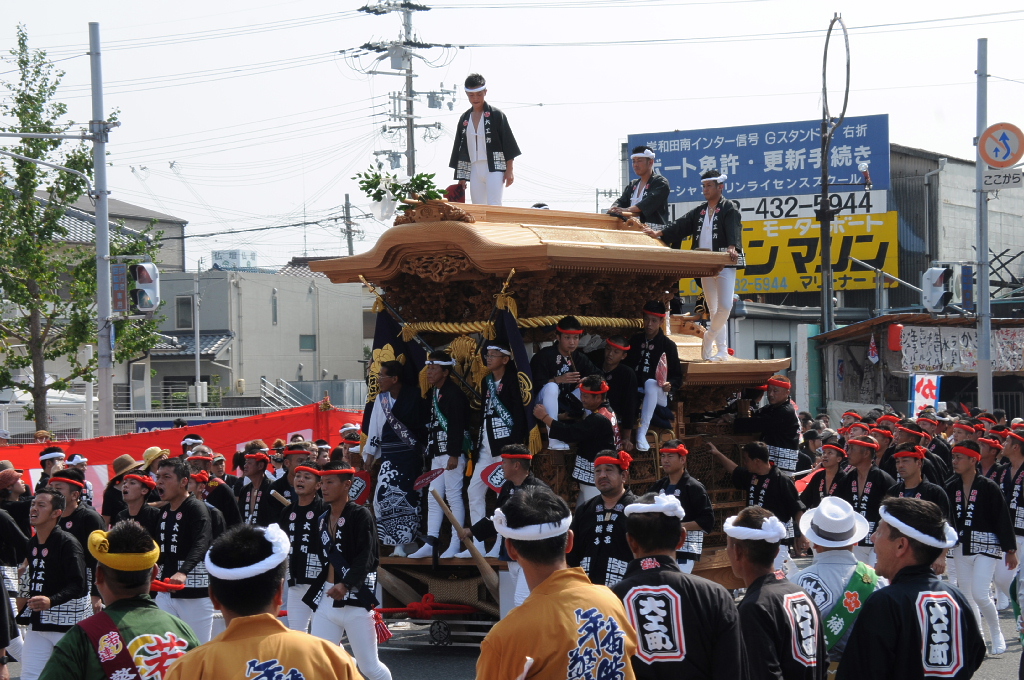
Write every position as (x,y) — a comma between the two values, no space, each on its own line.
(784,255)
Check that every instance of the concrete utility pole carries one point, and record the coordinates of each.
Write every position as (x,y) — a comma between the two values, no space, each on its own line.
(105,329)
(984,299)
(348,225)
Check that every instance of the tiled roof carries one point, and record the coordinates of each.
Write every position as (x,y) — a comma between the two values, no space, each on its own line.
(183,344)
(299,266)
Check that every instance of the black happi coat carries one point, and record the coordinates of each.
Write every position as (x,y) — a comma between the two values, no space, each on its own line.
(941,448)
(148,517)
(898,632)
(727,226)
(867,504)
(710,644)
(484,529)
(280,485)
(455,407)
(1013,492)
(933,470)
(926,491)
(622,390)
(782,631)
(777,423)
(599,540)
(12,541)
(548,363)
(591,435)
(654,204)
(306,555)
(697,508)
(191,524)
(774,491)
(645,354)
(220,496)
(266,509)
(509,395)
(56,569)
(113,501)
(988,530)
(355,537)
(80,523)
(816,490)
(501,143)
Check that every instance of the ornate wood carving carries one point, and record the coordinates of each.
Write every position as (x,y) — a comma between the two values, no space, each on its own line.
(438,268)
(434,211)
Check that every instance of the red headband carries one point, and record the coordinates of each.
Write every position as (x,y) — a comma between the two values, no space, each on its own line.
(999,434)
(147,482)
(604,388)
(80,485)
(863,426)
(916,452)
(346,471)
(853,414)
(909,431)
(964,426)
(986,420)
(992,443)
(979,428)
(623,460)
(520,456)
(860,442)
(780,382)
(569,331)
(660,316)
(209,458)
(1018,426)
(837,449)
(295,452)
(888,419)
(927,420)
(303,468)
(964,451)
(258,456)
(623,348)
(1016,436)
(202,477)
(879,431)
(681,450)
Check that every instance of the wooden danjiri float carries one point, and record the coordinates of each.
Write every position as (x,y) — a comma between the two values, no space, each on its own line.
(442,270)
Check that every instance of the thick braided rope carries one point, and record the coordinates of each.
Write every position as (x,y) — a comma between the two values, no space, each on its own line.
(487,328)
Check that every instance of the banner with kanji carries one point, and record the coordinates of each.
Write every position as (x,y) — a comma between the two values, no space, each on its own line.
(924,392)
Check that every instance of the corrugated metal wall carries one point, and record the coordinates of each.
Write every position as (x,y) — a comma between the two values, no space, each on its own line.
(907,197)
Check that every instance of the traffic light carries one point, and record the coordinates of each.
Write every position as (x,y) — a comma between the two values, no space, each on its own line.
(146,293)
(935,294)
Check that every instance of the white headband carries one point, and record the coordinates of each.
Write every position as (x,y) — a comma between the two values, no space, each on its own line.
(666,505)
(277,538)
(321,447)
(772,530)
(477,89)
(646,153)
(348,427)
(190,441)
(532,532)
(51,456)
(720,179)
(434,362)
(500,349)
(77,458)
(920,537)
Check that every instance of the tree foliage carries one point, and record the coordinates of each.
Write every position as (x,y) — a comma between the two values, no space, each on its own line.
(48,281)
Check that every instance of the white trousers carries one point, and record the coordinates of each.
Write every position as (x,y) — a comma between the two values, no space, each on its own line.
(587,491)
(718,292)
(1004,576)
(38,648)
(974,578)
(196,612)
(478,488)
(331,623)
(485,188)
(522,588)
(449,485)
(299,615)
(548,397)
(654,396)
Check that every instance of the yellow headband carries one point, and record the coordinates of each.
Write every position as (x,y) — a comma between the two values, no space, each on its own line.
(99,547)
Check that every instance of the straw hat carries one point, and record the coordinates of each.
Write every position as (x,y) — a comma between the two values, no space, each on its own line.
(152,455)
(124,464)
(833,524)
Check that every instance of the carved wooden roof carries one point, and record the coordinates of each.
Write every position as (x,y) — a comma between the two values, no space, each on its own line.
(529,240)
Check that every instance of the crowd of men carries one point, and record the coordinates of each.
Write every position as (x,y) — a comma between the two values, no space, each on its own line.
(603,591)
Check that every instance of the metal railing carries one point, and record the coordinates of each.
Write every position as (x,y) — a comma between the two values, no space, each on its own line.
(280,394)
(349,394)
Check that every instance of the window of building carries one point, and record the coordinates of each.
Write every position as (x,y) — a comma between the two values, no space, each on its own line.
(183,313)
(772,350)
(307,343)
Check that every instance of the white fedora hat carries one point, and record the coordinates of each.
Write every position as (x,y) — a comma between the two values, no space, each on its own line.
(833,524)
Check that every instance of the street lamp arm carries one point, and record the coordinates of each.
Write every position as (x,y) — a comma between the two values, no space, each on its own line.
(88,184)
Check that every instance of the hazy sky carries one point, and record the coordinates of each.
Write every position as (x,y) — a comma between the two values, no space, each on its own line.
(266,121)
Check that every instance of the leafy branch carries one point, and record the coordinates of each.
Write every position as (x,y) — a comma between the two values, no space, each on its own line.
(379,185)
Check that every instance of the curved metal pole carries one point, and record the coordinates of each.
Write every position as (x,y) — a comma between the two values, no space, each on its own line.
(88,184)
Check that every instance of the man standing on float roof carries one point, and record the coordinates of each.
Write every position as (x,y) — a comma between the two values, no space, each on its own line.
(715,225)
(484,147)
(646,197)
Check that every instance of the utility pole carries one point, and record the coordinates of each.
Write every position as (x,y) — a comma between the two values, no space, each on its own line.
(984,300)
(348,225)
(195,330)
(401,54)
(98,128)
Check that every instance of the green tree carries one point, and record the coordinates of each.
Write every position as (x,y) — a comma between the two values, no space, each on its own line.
(48,282)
